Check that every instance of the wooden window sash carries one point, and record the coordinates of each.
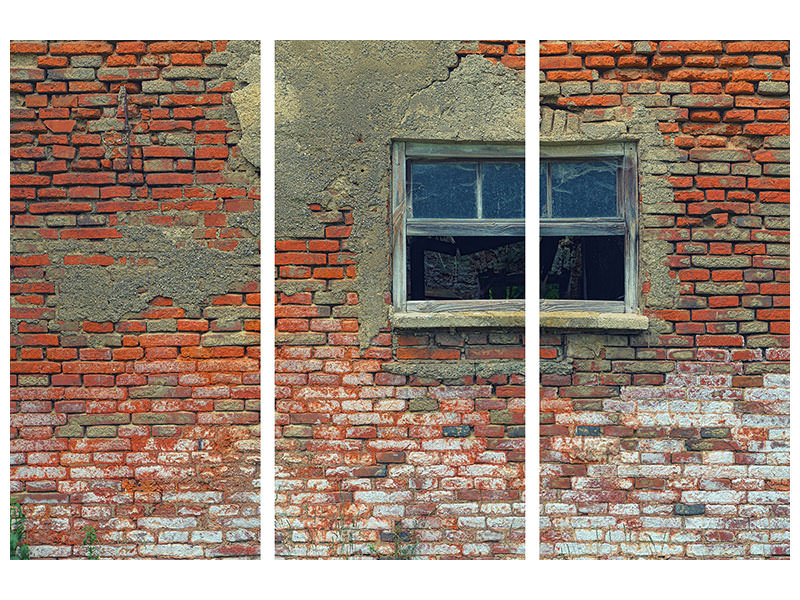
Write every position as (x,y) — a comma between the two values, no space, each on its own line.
(465,227)
(398,226)
(404,225)
(582,227)
(455,151)
(626,224)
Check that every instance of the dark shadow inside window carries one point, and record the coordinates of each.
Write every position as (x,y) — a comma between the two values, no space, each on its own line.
(582,268)
(465,268)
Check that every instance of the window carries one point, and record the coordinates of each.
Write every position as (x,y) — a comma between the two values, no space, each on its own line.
(588,198)
(458,227)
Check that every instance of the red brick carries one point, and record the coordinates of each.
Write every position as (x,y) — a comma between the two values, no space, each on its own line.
(699,75)
(600,62)
(570,75)
(28,48)
(560,62)
(337,231)
(767,129)
(666,62)
(298,258)
(80,48)
(169,47)
(720,340)
(171,339)
(601,47)
(549,48)
(685,47)
(187,59)
(93,233)
(753,47)
(328,273)
(606,100)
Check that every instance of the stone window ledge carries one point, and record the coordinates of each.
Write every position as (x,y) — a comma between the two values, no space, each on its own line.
(459,320)
(593,321)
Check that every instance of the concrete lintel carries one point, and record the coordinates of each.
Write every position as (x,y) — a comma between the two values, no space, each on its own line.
(460,320)
(593,321)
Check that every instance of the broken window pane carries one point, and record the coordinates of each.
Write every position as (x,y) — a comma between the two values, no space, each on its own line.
(582,268)
(584,188)
(465,268)
(444,190)
(503,190)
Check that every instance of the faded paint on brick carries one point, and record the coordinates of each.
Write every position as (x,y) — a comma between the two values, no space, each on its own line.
(135,298)
(673,443)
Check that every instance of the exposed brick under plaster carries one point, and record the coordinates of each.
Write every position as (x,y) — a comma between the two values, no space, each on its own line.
(145,427)
(674,443)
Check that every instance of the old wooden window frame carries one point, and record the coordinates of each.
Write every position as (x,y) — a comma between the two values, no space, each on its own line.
(404,225)
(626,223)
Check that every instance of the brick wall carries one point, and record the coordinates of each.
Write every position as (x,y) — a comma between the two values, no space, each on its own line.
(367,441)
(510,53)
(415,434)
(674,443)
(134,299)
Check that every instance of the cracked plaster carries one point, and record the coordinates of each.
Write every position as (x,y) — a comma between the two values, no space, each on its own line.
(339,105)
(179,267)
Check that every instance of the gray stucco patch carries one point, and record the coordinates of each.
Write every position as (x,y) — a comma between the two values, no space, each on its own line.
(478,101)
(247,102)
(664,292)
(441,369)
(189,275)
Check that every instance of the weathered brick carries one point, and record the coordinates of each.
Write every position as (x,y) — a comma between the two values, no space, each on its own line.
(690,509)
(456,431)
(165,418)
(423,404)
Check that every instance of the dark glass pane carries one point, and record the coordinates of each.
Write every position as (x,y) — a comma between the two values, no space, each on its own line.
(465,268)
(582,268)
(543,189)
(503,190)
(444,190)
(584,188)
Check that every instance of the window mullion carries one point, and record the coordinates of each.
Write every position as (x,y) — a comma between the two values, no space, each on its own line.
(465,227)
(620,189)
(595,227)
(479,189)
(549,189)
(409,186)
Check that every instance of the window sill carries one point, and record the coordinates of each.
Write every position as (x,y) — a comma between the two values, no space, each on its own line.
(593,321)
(460,320)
